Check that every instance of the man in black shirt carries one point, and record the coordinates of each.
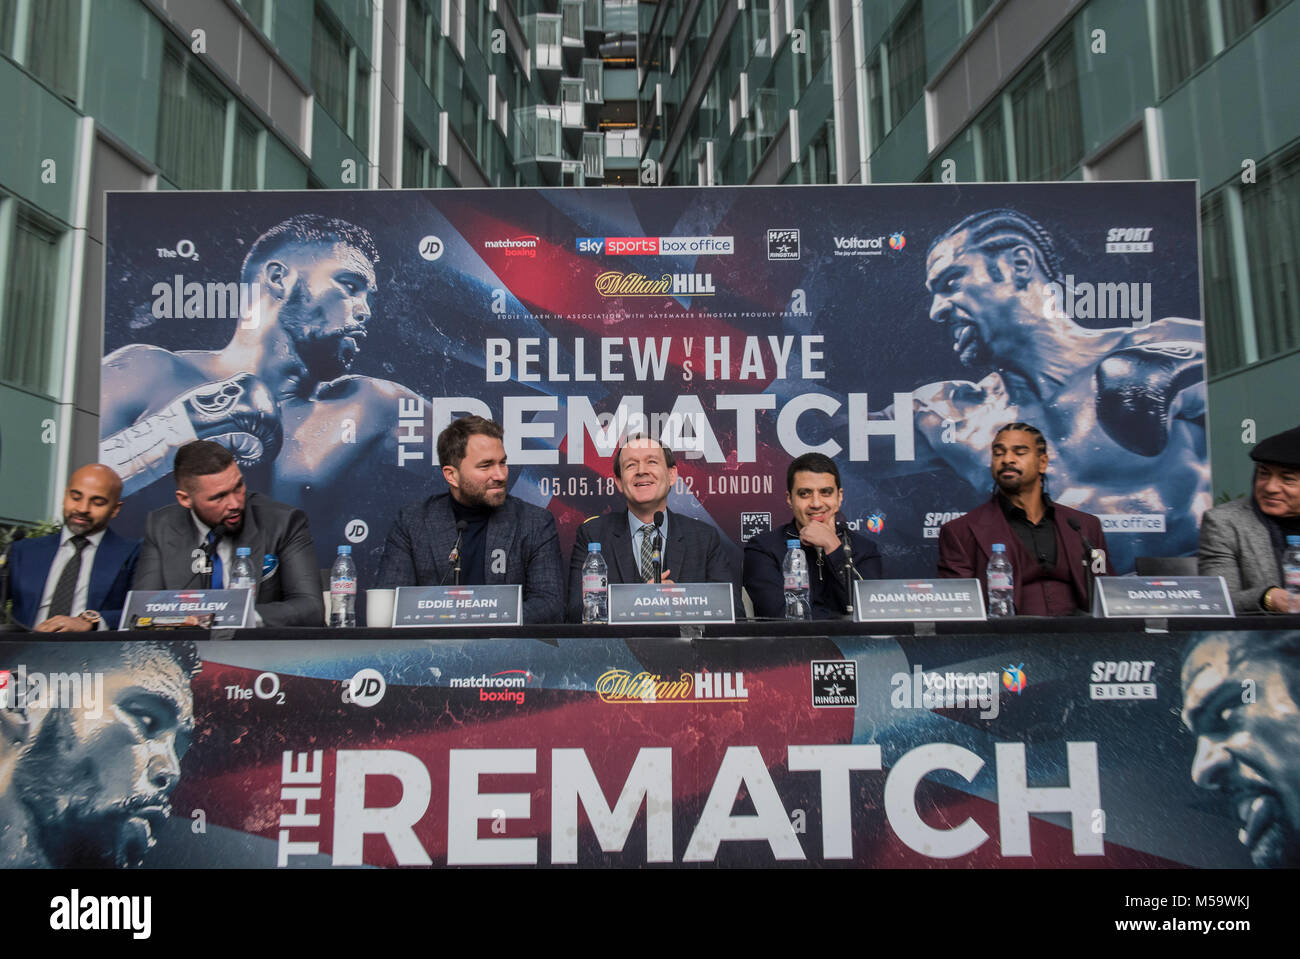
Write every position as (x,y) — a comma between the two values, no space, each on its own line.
(813,491)
(1044,540)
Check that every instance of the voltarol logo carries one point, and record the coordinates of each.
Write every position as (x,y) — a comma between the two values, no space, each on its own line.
(897,241)
(1014,679)
(1122,679)
(946,690)
(834,683)
(876,522)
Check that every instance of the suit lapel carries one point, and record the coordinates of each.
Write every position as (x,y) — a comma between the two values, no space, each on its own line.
(44,550)
(1072,543)
(625,561)
(108,560)
(179,541)
(251,535)
(674,549)
(1259,545)
(440,530)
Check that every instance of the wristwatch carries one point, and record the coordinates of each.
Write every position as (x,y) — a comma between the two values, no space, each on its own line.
(92,617)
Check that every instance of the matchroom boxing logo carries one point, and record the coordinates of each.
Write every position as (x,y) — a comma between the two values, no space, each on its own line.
(506,686)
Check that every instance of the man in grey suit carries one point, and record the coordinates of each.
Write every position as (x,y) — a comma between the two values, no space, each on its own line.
(689,551)
(1243,541)
(214,515)
(497,539)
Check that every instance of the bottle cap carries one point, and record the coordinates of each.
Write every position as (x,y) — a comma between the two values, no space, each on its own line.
(593,547)
(792,544)
(1293,540)
(999,548)
(345,550)
(243,551)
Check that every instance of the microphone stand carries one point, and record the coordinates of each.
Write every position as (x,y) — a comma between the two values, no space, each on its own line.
(1089,577)
(454,558)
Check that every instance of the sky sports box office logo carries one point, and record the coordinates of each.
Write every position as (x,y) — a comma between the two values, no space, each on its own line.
(657,245)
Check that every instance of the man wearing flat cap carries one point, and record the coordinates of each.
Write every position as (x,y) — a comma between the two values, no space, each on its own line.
(1243,541)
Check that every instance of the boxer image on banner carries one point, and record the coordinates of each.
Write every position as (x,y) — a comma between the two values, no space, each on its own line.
(279,394)
(1123,408)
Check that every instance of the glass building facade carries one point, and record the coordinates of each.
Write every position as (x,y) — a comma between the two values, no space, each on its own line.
(99,95)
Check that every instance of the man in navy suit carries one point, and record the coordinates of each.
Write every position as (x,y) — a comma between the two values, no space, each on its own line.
(689,551)
(78,579)
(497,539)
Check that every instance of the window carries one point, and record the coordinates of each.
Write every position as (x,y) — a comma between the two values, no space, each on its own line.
(415,163)
(340,78)
(259,11)
(817,165)
(28,324)
(1271,212)
(1183,40)
(1046,115)
(1240,15)
(246,149)
(418,24)
(907,62)
(45,37)
(993,146)
(191,124)
(876,100)
(1223,346)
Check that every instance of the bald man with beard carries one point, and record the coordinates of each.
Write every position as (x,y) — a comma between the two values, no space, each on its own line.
(77,579)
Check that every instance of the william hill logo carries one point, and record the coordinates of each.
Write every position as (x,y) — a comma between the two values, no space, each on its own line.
(624,686)
(617,283)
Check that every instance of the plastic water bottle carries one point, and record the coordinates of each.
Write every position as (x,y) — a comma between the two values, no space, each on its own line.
(1001,583)
(1291,570)
(794,569)
(343,590)
(595,586)
(242,574)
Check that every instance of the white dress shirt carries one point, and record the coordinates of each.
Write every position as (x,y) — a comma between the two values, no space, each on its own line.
(65,552)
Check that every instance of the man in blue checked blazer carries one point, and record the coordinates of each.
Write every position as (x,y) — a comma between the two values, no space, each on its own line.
(76,580)
(503,540)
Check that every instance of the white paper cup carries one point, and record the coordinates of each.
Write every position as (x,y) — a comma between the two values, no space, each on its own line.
(379,607)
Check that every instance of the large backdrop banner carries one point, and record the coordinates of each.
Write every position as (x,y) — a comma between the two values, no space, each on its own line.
(983,750)
(332,335)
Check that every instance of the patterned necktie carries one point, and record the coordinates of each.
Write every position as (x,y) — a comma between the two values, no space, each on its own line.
(217,574)
(66,588)
(647,551)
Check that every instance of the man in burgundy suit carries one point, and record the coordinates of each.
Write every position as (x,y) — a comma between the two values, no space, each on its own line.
(1045,541)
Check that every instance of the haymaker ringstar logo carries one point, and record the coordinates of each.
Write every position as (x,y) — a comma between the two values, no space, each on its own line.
(754,523)
(625,686)
(834,682)
(783,244)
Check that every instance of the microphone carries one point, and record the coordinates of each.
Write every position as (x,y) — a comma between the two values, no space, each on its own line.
(656,557)
(454,556)
(850,571)
(210,550)
(1094,557)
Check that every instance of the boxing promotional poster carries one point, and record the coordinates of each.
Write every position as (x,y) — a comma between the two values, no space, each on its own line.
(942,751)
(329,337)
